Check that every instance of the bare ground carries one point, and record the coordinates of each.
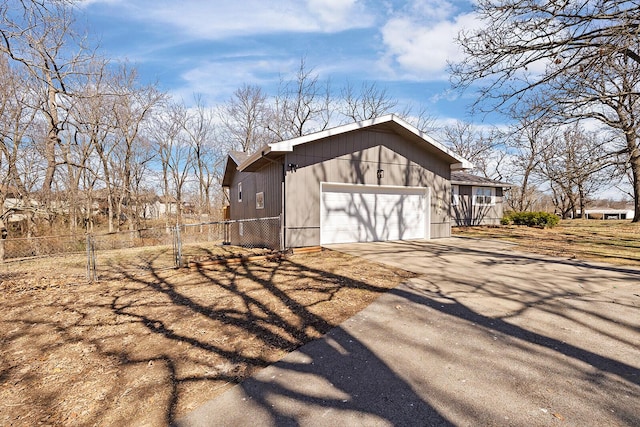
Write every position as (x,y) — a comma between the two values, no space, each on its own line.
(147,343)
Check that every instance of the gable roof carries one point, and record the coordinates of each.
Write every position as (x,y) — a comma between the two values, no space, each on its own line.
(464,178)
(268,152)
(238,156)
(234,159)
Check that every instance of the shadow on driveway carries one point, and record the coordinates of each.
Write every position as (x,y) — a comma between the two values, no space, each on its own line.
(484,336)
(332,381)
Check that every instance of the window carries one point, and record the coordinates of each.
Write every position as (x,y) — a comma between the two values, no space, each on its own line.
(455,195)
(260,200)
(483,196)
(239,192)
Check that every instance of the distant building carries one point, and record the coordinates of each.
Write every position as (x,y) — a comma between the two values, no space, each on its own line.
(607,213)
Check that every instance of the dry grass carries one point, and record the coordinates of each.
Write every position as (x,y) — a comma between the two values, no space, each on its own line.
(148,343)
(615,242)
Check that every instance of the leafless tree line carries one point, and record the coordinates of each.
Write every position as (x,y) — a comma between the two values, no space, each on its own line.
(561,61)
(83,138)
(564,165)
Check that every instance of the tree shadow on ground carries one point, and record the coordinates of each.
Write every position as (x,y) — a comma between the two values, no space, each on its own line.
(258,310)
(336,380)
(172,339)
(358,381)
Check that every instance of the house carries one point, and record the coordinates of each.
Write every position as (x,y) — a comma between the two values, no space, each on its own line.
(476,200)
(374,180)
(608,213)
(154,207)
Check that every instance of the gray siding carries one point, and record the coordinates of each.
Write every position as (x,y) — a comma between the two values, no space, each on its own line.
(465,213)
(355,158)
(267,180)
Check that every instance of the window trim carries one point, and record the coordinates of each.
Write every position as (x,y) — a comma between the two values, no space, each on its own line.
(455,195)
(481,199)
(260,200)
(240,192)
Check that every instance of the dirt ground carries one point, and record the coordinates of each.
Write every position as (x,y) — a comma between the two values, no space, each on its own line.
(147,343)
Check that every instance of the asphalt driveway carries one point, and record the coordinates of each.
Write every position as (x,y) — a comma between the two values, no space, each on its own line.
(484,335)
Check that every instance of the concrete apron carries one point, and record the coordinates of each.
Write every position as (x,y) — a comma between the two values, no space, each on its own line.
(483,336)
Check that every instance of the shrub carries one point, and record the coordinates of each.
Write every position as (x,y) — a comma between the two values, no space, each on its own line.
(531,219)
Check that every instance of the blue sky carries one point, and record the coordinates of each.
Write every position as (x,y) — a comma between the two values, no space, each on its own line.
(213,47)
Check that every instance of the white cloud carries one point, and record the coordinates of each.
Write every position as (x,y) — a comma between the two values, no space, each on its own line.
(220,19)
(432,9)
(340,14)
(84,3)
(217,80)
(421,39)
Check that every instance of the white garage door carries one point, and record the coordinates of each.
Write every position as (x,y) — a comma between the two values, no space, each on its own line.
(358,213)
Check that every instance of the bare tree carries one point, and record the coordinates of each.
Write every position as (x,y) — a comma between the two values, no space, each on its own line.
(575,165)
(423,119)
(39,36)
(16,119)
(371,101)
(302,106)
(140,187)
(91,138)
(475,144)
(167,132)
(568,60)
(75,154)
(17,124)
(134,103)
(105,145)
(526,140)
(206,154)
(244,119)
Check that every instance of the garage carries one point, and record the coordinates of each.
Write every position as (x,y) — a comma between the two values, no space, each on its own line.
(375,180)
(362,213)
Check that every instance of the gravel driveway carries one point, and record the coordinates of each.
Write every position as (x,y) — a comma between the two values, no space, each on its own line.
(484,335)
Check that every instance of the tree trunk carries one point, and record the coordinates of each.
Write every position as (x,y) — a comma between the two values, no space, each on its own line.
(110,210)
(167,216)
(52,137)
(634,159)
(525,187)
(581,200)
(104,157)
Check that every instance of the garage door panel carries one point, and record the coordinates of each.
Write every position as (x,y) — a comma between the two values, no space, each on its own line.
(364,214)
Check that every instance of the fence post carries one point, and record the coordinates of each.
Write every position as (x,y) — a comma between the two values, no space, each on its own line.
(177,247)
(281,232)
(226,239)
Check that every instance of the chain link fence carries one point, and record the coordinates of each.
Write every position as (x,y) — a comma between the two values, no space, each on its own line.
(246,233)
(249,233)
(33,247)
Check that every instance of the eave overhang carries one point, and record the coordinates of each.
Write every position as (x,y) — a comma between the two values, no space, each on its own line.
(270,152)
